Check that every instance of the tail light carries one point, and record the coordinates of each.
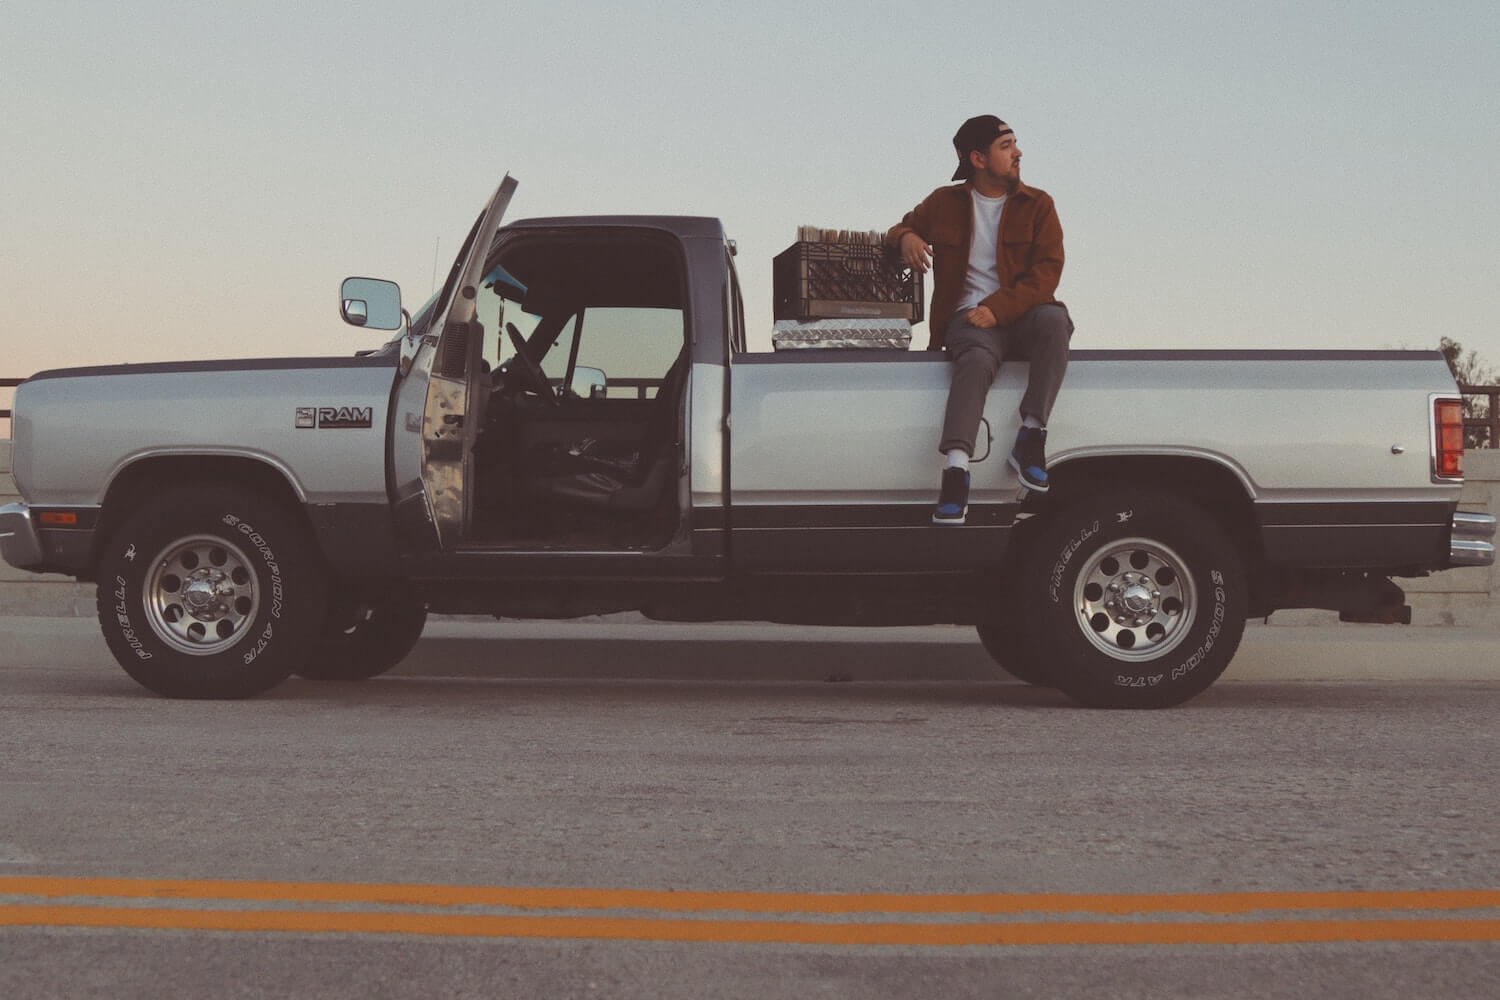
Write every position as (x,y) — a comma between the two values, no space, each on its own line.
(1447,438)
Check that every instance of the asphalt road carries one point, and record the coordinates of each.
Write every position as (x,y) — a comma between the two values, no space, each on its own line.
(528,810)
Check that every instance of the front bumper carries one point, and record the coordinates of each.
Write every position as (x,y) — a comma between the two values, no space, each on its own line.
(1473,541)
(20,544)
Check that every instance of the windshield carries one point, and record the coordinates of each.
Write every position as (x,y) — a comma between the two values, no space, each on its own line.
(423,315)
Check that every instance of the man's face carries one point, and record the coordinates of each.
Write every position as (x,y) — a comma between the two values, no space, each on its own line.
(1001,162)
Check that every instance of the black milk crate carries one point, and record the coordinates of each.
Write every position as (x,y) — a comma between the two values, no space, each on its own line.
(837,280)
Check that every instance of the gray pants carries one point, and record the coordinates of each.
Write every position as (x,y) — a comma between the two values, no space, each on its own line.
(1040,336)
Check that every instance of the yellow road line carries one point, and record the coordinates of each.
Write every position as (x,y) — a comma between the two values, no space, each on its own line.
(752,931)
(746,902)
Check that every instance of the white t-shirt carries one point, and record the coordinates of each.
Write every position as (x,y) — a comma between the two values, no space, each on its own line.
(983,277)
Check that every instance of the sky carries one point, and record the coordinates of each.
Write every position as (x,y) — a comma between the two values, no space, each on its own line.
(185,180)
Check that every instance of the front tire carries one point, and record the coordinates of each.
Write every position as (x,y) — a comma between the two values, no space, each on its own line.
(210,592)
(1139,599)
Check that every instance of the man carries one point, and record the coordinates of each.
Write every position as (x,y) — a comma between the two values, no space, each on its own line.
(998,252)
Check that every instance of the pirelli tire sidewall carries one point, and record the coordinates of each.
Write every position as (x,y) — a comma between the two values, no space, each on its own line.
(1078,541)
(254,568)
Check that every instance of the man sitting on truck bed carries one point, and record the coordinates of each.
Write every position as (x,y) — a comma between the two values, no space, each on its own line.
(998,250)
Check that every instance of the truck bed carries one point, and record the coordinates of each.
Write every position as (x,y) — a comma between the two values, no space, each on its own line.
(1330,447)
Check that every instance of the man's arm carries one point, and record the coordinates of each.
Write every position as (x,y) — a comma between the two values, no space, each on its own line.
(1038,283)
(910,237)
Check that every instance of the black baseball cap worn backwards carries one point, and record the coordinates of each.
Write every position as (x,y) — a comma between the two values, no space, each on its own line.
(976,133)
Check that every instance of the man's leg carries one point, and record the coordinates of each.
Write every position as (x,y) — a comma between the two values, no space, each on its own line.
(975,355)
(1041,336)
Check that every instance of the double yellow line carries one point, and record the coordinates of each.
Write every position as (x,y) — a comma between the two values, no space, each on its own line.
(751,917)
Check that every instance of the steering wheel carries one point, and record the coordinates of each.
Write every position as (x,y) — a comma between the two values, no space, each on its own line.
(531,374)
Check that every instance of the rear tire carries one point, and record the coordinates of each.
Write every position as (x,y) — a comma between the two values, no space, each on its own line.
(210,592)
(1006,635)
(1138,599)
(1009,647)
(358,643)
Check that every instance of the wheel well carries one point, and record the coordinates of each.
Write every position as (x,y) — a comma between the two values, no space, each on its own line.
(1213,487)
(141,480)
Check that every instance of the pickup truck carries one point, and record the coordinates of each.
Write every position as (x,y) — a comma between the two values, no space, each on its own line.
(573,425)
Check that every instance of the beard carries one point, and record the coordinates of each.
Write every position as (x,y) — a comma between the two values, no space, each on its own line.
(1009,180)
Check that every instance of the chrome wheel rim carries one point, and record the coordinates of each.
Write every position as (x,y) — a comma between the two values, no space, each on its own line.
(201,595)
(1135,599)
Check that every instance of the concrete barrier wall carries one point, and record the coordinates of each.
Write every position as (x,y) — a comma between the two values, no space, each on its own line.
(1468,596)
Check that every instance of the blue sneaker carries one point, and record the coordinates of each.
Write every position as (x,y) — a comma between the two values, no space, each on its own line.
(1029,458)
(953,498)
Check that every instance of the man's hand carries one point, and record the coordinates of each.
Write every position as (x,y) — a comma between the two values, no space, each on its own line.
(916,252)
(981,317)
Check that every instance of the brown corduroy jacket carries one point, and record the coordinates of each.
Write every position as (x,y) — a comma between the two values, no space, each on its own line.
(1029,251)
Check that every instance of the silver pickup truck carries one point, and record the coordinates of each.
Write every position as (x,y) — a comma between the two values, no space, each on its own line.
(573,425)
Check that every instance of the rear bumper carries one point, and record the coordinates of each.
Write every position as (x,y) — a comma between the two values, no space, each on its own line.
(20,543)
(1473,541)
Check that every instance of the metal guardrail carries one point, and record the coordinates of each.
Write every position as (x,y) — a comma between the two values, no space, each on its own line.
(639,385)
(1480,432)
(8,383)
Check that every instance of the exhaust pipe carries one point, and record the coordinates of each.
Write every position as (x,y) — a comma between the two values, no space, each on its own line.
(1473,540)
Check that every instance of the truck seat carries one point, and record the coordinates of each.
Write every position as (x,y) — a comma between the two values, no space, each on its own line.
(636,484)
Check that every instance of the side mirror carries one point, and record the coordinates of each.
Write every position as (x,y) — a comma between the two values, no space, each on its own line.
(371,302)
(588,383)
